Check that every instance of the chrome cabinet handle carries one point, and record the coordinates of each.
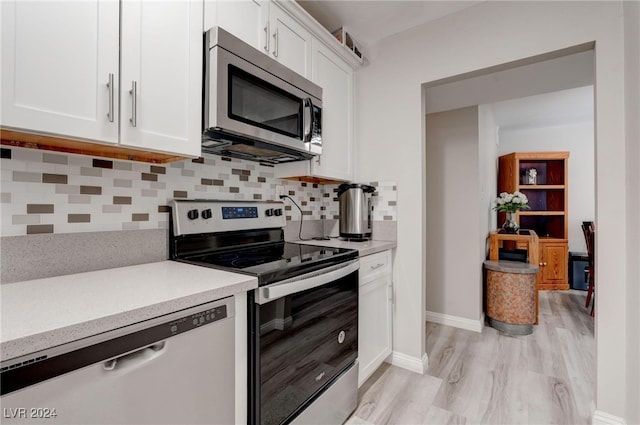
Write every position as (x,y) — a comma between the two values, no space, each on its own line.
(275,46)
(111,88)
(377,266)
(266,38)
(307,120)
(134,103)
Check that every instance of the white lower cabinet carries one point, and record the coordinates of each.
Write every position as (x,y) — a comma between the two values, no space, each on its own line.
(374,313)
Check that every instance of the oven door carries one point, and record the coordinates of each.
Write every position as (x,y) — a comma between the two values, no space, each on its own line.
(305,334)
(245,100)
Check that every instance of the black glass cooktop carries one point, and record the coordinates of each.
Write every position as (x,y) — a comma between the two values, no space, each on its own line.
(275,261)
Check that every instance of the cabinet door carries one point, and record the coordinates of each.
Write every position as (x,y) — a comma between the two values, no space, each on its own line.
(246,19)
(162,60)
(57,58)
(554,259)
(336,79)
(374,326)
(290,42)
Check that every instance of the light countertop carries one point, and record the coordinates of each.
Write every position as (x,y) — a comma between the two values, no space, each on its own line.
(364,248)
(42,313)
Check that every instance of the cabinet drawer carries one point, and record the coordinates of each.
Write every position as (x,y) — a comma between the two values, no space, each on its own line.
(375,265)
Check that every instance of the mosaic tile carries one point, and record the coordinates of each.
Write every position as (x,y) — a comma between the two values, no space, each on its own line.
(102,163)
(24,176)
(25,219)
(149,177)
(111,209)
(90,190)
(122,183)
(93,172)
(123,166)
(55,158)
(140,217)
(67,189)
(39,228)
(122,200)
(40,208)
(78,218)
(105,190)
(180,194)
(54,178)
(79,199)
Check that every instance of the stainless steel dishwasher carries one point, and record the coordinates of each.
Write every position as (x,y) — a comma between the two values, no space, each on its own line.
(174,369)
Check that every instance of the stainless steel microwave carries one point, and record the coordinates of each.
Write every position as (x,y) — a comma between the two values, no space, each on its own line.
(256,108)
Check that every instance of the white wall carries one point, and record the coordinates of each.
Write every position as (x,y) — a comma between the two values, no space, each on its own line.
(578,140)
(566,72)
(632,76)
(390,145)
(453,191)
(488,171)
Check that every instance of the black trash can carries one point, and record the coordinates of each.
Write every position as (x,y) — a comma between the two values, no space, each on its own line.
(579,270)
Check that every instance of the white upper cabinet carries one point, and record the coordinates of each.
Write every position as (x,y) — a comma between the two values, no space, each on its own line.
(265,26)
(290,42)
(246,19)
(57,59)
(336,79)
(288,34)
(64,72)
(161,80)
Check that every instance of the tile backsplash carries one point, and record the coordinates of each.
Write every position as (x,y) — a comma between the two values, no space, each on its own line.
(50,192)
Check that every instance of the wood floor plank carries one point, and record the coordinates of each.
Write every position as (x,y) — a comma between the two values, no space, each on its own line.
(436,415)
(491,377)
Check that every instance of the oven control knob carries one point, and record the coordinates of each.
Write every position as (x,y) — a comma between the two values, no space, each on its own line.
(192,214)
(341,336)
(278,211)
(269,212)
(206,214)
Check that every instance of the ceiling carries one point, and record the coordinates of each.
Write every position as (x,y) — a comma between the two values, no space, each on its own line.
(370,21)
(549,109)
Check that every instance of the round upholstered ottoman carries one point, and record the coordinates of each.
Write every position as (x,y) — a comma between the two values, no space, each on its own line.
(511,296)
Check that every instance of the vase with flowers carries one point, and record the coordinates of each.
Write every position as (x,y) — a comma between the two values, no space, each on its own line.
(511,203)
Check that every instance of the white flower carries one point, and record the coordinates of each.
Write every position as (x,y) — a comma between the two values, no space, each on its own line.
(516,200)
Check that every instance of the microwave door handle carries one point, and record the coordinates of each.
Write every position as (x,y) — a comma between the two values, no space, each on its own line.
(308,120)
(304,282)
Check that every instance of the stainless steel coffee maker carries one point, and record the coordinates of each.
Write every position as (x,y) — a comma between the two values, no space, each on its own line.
(355,211)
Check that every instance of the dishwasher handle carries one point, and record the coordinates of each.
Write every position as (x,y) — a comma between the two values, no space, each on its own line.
(134,358)
(306,281)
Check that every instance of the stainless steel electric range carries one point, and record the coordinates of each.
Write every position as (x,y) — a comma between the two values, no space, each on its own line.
(303,317)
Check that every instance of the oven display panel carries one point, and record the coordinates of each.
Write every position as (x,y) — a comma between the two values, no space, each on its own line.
(239,212)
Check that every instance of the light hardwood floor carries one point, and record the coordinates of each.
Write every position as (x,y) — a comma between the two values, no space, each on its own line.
(494,378)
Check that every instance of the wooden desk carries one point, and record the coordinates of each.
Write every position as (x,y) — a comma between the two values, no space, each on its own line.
(531,239)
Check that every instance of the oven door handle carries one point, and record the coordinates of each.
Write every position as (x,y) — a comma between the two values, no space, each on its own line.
(306,281)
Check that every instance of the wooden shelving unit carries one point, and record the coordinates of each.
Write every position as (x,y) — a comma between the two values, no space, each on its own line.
(548,216)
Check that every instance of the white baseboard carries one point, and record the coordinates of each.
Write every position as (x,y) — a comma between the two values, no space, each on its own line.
(414,364)
(604,418)
(455,321)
